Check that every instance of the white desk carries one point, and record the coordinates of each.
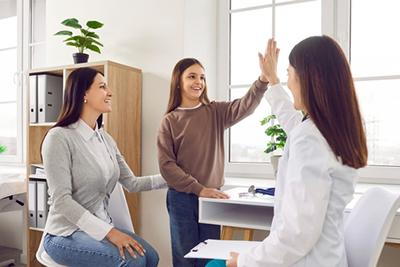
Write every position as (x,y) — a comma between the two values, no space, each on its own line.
(12,183)
(257,213)
(248,212)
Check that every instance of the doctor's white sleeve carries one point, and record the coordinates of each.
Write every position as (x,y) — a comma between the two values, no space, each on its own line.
(282,107)
(303,208)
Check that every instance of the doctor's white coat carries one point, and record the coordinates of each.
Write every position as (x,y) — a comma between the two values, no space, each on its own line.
(312,191)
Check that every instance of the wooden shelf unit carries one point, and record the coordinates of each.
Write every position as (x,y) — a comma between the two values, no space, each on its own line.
(123,124)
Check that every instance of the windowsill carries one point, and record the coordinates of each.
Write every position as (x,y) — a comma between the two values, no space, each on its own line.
(361,187)
(368,175)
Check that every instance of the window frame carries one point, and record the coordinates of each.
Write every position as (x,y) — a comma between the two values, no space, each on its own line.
(18,159)
(31,44)
(335,21)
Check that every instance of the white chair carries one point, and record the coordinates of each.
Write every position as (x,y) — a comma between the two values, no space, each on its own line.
(368,225)
(119,213)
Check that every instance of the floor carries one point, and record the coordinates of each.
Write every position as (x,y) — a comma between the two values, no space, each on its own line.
(10,253)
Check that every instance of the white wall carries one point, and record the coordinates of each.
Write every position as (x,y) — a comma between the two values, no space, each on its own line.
(10,230)
(153,36)
(200,38)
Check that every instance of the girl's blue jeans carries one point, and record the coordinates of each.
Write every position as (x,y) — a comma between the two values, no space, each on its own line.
(186,231)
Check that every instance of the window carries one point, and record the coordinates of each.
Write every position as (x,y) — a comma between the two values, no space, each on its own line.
(10,85)
(286,21)
(375,62)
(14,61)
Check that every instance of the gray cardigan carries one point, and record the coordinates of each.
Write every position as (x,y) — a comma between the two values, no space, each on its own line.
(75,180)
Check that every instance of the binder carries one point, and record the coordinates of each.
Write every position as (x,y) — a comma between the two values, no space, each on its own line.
(33,105)
(42,207)
(32,204)
(49,94)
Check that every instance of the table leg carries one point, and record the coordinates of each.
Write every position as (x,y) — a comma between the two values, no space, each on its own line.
(227,233)
(248,234)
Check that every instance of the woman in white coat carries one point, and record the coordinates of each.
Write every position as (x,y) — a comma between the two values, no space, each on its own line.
(317,173)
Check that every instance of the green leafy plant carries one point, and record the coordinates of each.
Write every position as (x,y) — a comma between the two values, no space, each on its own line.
(275,131)
(86,39)
(3,149)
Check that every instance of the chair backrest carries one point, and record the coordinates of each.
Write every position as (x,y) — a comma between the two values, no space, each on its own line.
(368,225)
(119,212)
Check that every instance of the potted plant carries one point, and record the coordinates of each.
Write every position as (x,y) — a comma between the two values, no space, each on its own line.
(277,141)
(3,149)
(85,39)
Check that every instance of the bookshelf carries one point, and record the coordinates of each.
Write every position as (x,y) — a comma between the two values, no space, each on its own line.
(123,124)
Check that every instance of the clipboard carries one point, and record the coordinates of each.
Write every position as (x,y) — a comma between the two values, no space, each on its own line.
(220,249)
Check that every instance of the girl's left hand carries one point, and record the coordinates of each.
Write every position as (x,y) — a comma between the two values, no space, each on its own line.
(212,193)
(232,262)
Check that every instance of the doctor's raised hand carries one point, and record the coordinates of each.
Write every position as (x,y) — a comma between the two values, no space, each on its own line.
(268,63)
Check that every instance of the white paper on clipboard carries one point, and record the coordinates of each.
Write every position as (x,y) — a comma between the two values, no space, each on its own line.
(220,249)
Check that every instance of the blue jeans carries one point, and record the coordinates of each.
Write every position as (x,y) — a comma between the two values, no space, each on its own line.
(79,249)
(186,231)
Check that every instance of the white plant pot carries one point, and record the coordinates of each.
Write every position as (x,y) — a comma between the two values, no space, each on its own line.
(275,162)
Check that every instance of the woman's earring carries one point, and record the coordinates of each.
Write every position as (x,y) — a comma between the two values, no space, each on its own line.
(85,101)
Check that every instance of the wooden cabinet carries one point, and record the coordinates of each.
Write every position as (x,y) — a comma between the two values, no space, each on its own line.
(123,124)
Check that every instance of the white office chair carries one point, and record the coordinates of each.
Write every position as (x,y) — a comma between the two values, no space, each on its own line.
(368,225)
(119,213)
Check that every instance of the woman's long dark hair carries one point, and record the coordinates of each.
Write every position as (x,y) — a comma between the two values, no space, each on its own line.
(328,95)
(78,82)
(175,97)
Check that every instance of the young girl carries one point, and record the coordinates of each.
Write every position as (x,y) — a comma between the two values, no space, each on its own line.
(318,170)
(83,165)
(191,152)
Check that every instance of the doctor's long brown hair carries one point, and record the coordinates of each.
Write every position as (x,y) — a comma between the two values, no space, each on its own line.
(175,97)
(328,95)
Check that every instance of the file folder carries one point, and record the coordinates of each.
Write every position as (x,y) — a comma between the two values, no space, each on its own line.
(49,94)
(33,105)
(42,207)
(32,204)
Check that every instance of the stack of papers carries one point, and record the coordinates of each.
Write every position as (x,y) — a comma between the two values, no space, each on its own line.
(220,249)
(38,172)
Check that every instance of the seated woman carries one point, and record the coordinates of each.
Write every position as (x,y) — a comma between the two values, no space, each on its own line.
(83,165)
(317,173)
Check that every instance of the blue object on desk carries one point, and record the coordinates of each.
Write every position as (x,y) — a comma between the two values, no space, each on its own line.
(216,263)
(267,191)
